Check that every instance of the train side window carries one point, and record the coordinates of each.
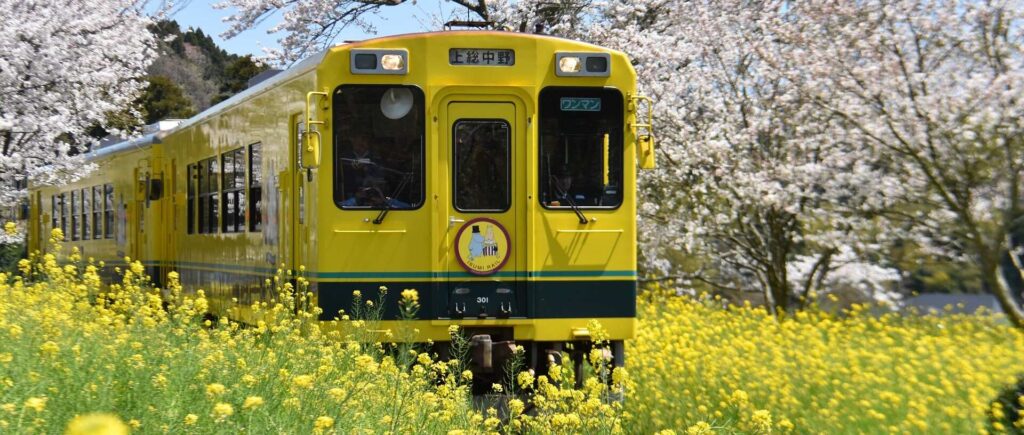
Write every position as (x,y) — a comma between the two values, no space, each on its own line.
(379,147)
(581,151)
(97,212)
(54,212)
(108,211)
(209,195)
(86,213)
(63,198)
(190,209)
(482,160)
(255,187)
(74,214)
(233,191)
(203,178)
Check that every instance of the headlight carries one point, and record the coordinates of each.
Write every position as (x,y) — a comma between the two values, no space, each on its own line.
(583,64)
(373,61)
(569,64)
(392,62)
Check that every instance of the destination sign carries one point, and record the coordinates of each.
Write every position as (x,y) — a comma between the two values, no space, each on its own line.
(572,104)
(481,56)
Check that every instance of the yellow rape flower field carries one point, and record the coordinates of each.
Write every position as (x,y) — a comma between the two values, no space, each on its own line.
(80,358)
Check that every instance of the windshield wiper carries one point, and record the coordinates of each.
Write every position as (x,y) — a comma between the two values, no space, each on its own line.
(575,208)
(387,199)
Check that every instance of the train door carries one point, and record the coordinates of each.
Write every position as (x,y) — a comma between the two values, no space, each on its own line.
(485,149)
(36,217)
(137,215)
(296,208)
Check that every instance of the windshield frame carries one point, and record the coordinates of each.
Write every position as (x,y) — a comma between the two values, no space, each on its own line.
(619,125)
(337,194)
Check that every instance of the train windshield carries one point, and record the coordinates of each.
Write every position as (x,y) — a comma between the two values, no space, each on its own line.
(378,147)
(581,155)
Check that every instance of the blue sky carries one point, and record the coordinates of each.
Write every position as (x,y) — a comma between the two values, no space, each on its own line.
(404,18)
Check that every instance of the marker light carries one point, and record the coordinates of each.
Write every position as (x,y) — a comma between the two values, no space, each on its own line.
(392,62)
(583,64)
(569,64)
(379,61)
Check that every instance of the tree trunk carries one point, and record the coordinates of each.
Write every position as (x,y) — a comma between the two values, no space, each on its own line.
(993,276)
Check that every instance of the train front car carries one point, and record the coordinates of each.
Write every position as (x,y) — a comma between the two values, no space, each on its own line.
(492,172)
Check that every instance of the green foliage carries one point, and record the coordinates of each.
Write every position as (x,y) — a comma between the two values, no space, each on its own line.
(164,99)
(206,73)
(9,256)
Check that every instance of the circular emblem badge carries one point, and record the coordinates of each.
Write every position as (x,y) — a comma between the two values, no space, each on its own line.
(482,246)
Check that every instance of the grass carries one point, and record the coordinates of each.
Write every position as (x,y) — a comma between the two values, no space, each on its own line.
(76,357)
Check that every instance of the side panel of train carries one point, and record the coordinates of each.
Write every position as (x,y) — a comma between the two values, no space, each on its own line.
(106,215)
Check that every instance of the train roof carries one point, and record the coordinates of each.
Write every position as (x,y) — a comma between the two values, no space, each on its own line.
(306,65)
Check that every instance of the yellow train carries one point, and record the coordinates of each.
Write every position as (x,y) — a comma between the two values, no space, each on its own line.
(493,172)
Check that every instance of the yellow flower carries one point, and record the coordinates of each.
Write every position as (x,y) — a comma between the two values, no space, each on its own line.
(8,407)
(701,428)
(191,419)
(357,294)
(516,407)
(96,424)
(323,423)
(214,390)
(410,296)
(37,404)
(303,381)
(6,357)
(221,411)
(762,421)
(49,348)
(11,228)
(252,402)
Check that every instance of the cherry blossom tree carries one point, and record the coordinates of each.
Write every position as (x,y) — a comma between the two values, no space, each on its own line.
(934,90)
(64,68)
(753,179)
(308,26)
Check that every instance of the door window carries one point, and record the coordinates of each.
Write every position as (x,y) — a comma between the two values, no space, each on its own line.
(482,160)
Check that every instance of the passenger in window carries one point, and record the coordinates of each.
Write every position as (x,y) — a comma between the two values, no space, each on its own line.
(561,183)
(359,163)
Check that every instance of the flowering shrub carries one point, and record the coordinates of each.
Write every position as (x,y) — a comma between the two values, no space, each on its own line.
(79,357)
(76,356)
(700,367)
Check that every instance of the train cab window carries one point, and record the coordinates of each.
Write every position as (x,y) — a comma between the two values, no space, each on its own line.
(233,191)
(74,214)
(378,147)
(86,213)
(581,151)
(482,181)
(97,212)
(108,211)
(255,186)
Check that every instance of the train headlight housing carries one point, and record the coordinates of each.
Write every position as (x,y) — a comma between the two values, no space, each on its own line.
(582,64)
(569,64)
(374,61)
(392,62)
